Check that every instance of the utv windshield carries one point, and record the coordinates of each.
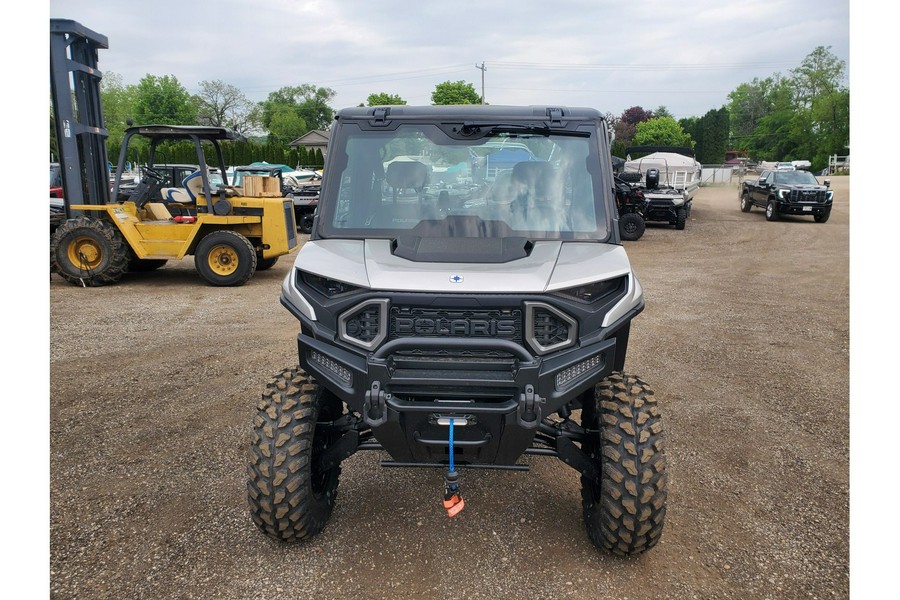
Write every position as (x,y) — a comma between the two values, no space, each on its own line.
(418,181)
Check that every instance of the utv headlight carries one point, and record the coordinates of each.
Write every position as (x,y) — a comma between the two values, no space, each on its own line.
(329,288)
(591,292)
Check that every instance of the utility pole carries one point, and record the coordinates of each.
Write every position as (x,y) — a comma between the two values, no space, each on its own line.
(482,68)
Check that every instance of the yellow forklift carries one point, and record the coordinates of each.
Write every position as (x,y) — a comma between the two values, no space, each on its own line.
(230,231)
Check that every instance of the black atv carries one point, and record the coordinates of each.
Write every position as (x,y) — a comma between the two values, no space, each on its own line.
(631,205)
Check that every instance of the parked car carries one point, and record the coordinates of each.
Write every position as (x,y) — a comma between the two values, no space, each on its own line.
(787,192)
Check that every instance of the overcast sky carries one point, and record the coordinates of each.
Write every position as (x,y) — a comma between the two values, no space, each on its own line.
(608,55)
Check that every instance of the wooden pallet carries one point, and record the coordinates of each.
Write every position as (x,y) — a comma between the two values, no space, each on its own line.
(260,186)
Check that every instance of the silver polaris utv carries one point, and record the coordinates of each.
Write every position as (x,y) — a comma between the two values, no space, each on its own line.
(463,299)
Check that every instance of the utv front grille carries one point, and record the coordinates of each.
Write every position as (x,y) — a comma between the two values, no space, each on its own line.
(548,329)
(409,321)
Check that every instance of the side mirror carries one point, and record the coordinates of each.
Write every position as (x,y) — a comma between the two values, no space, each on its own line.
(761,181)
(827,183)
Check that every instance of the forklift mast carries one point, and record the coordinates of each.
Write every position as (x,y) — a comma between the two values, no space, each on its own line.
(75,93)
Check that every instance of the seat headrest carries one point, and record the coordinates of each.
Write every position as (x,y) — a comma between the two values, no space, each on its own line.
(531,172)
(406,175)
(537,178)
(193,183)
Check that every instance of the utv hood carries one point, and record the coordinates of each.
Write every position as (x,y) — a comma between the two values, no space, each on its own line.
(550,266)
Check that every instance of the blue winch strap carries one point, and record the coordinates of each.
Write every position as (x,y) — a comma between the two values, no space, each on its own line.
(451,445)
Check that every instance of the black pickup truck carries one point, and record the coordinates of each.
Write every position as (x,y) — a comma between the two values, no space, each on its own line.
(787,192)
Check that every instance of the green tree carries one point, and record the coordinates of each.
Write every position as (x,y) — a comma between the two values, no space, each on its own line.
(820,74)
(118,102)
(710,135)
(662,111)
(662,131)
(748,103)
(286,125)
(220,104)
(458,92)
(308,102)
(384,99)
(624,126)
(164,101)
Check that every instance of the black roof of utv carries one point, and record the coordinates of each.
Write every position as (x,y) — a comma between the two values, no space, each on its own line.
(547,115)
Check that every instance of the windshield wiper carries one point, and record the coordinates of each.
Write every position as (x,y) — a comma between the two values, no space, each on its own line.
(493,129)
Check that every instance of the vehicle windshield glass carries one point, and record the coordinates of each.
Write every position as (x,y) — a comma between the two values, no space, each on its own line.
(795,178)
(418,181)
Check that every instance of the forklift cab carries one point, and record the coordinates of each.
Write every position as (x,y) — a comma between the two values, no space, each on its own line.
(208,194)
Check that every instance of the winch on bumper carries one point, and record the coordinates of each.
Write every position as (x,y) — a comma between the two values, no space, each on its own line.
(496,390)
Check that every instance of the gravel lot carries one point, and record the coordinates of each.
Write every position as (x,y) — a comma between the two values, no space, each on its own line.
(745,338)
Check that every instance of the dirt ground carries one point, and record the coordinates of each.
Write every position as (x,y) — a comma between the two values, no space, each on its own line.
(745,338)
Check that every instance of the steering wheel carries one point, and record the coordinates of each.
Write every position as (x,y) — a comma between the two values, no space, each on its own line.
(154,174)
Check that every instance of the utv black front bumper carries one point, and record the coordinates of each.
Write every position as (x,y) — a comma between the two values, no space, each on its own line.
(496,391)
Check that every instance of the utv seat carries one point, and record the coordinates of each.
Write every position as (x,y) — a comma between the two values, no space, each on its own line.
(541,196)
(402,213)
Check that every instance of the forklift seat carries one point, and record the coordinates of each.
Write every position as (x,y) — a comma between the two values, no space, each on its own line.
(191,187)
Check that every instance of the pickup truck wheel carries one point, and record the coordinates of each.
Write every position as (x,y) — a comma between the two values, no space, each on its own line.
(290,497)
(625,505)
(746,205)
(631,226)
(823,217)
(771,211)
(680,218)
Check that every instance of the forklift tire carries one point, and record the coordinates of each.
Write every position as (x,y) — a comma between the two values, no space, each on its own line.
(264,264)
(291,498)
(225,258)
(625,503)
(88,251)
(137,265)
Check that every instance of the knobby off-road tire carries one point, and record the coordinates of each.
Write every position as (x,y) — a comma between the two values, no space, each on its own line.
(290,498)
(225,258)
(631,226)
(680,218)
(625,508)
(746,205)
(88,251)
(305,222)
(630,176)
